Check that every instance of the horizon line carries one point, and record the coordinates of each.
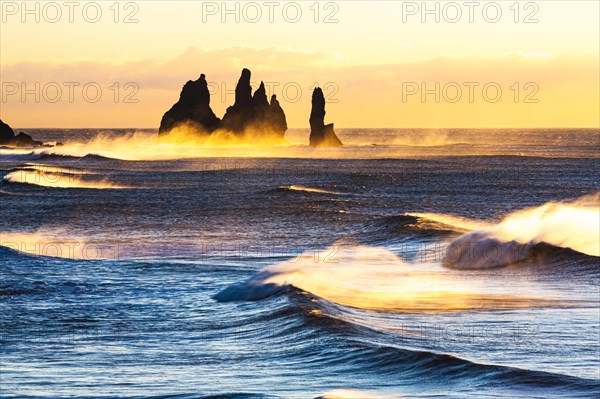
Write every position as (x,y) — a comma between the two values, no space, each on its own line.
(343,128)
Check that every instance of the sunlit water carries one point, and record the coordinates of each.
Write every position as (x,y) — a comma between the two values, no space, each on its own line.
(431,264)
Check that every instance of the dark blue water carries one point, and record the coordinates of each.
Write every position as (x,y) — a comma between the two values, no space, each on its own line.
(295,277)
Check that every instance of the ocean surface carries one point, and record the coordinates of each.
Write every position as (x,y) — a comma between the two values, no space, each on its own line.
(408,264)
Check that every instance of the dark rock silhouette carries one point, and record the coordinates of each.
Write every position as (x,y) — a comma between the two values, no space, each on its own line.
(321,135)
(253,112)
(6,133)
(276,117)
(249,114)
(25,140)
(8,137)
(243,89)
(259,99)
(192,109)
(241,113)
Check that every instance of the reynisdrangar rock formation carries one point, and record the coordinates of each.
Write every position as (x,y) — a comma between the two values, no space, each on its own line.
(192,109)
(241,113)
(250,114)
(276,116)
(321,135)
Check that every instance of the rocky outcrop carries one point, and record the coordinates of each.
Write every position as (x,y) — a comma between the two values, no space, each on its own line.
(239,116)
(192,109)
(321,135)
(276,117)
(8,138)
(6,133)
(250,113)
(253,113)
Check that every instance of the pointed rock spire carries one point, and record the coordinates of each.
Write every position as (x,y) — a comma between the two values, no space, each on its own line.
(321,135)
(256,114)
(249,113)
(260,96)
(243,90)
(277,117)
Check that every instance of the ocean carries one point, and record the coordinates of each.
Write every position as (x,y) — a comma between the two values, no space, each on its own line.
(411,263)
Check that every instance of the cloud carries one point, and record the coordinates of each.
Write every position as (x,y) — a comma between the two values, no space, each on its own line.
(358,96)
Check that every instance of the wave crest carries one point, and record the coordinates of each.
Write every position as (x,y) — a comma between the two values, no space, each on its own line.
(305,189)
(374,278)
(573,225)
(56,177)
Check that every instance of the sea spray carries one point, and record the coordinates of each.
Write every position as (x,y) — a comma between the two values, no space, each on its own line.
(572,225)
(375,278)
(59,178)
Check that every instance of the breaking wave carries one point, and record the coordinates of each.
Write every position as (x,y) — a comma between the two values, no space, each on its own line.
(572,225)
(349,394)
(57,244)
(374,278)
(456,223)
(55,177)
(305,189)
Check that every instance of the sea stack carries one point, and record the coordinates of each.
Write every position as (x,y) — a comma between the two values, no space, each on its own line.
(251,116)
(321,135)
(8,138)
(192,110)
(253,113)
(276,117)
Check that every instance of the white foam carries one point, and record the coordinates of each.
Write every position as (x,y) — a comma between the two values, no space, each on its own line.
(375,278)
(574,225)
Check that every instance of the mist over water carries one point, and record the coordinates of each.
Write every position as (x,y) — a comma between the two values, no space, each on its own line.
(409,263)
(143,144)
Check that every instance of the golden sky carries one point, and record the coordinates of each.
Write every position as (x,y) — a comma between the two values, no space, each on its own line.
(381,63)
